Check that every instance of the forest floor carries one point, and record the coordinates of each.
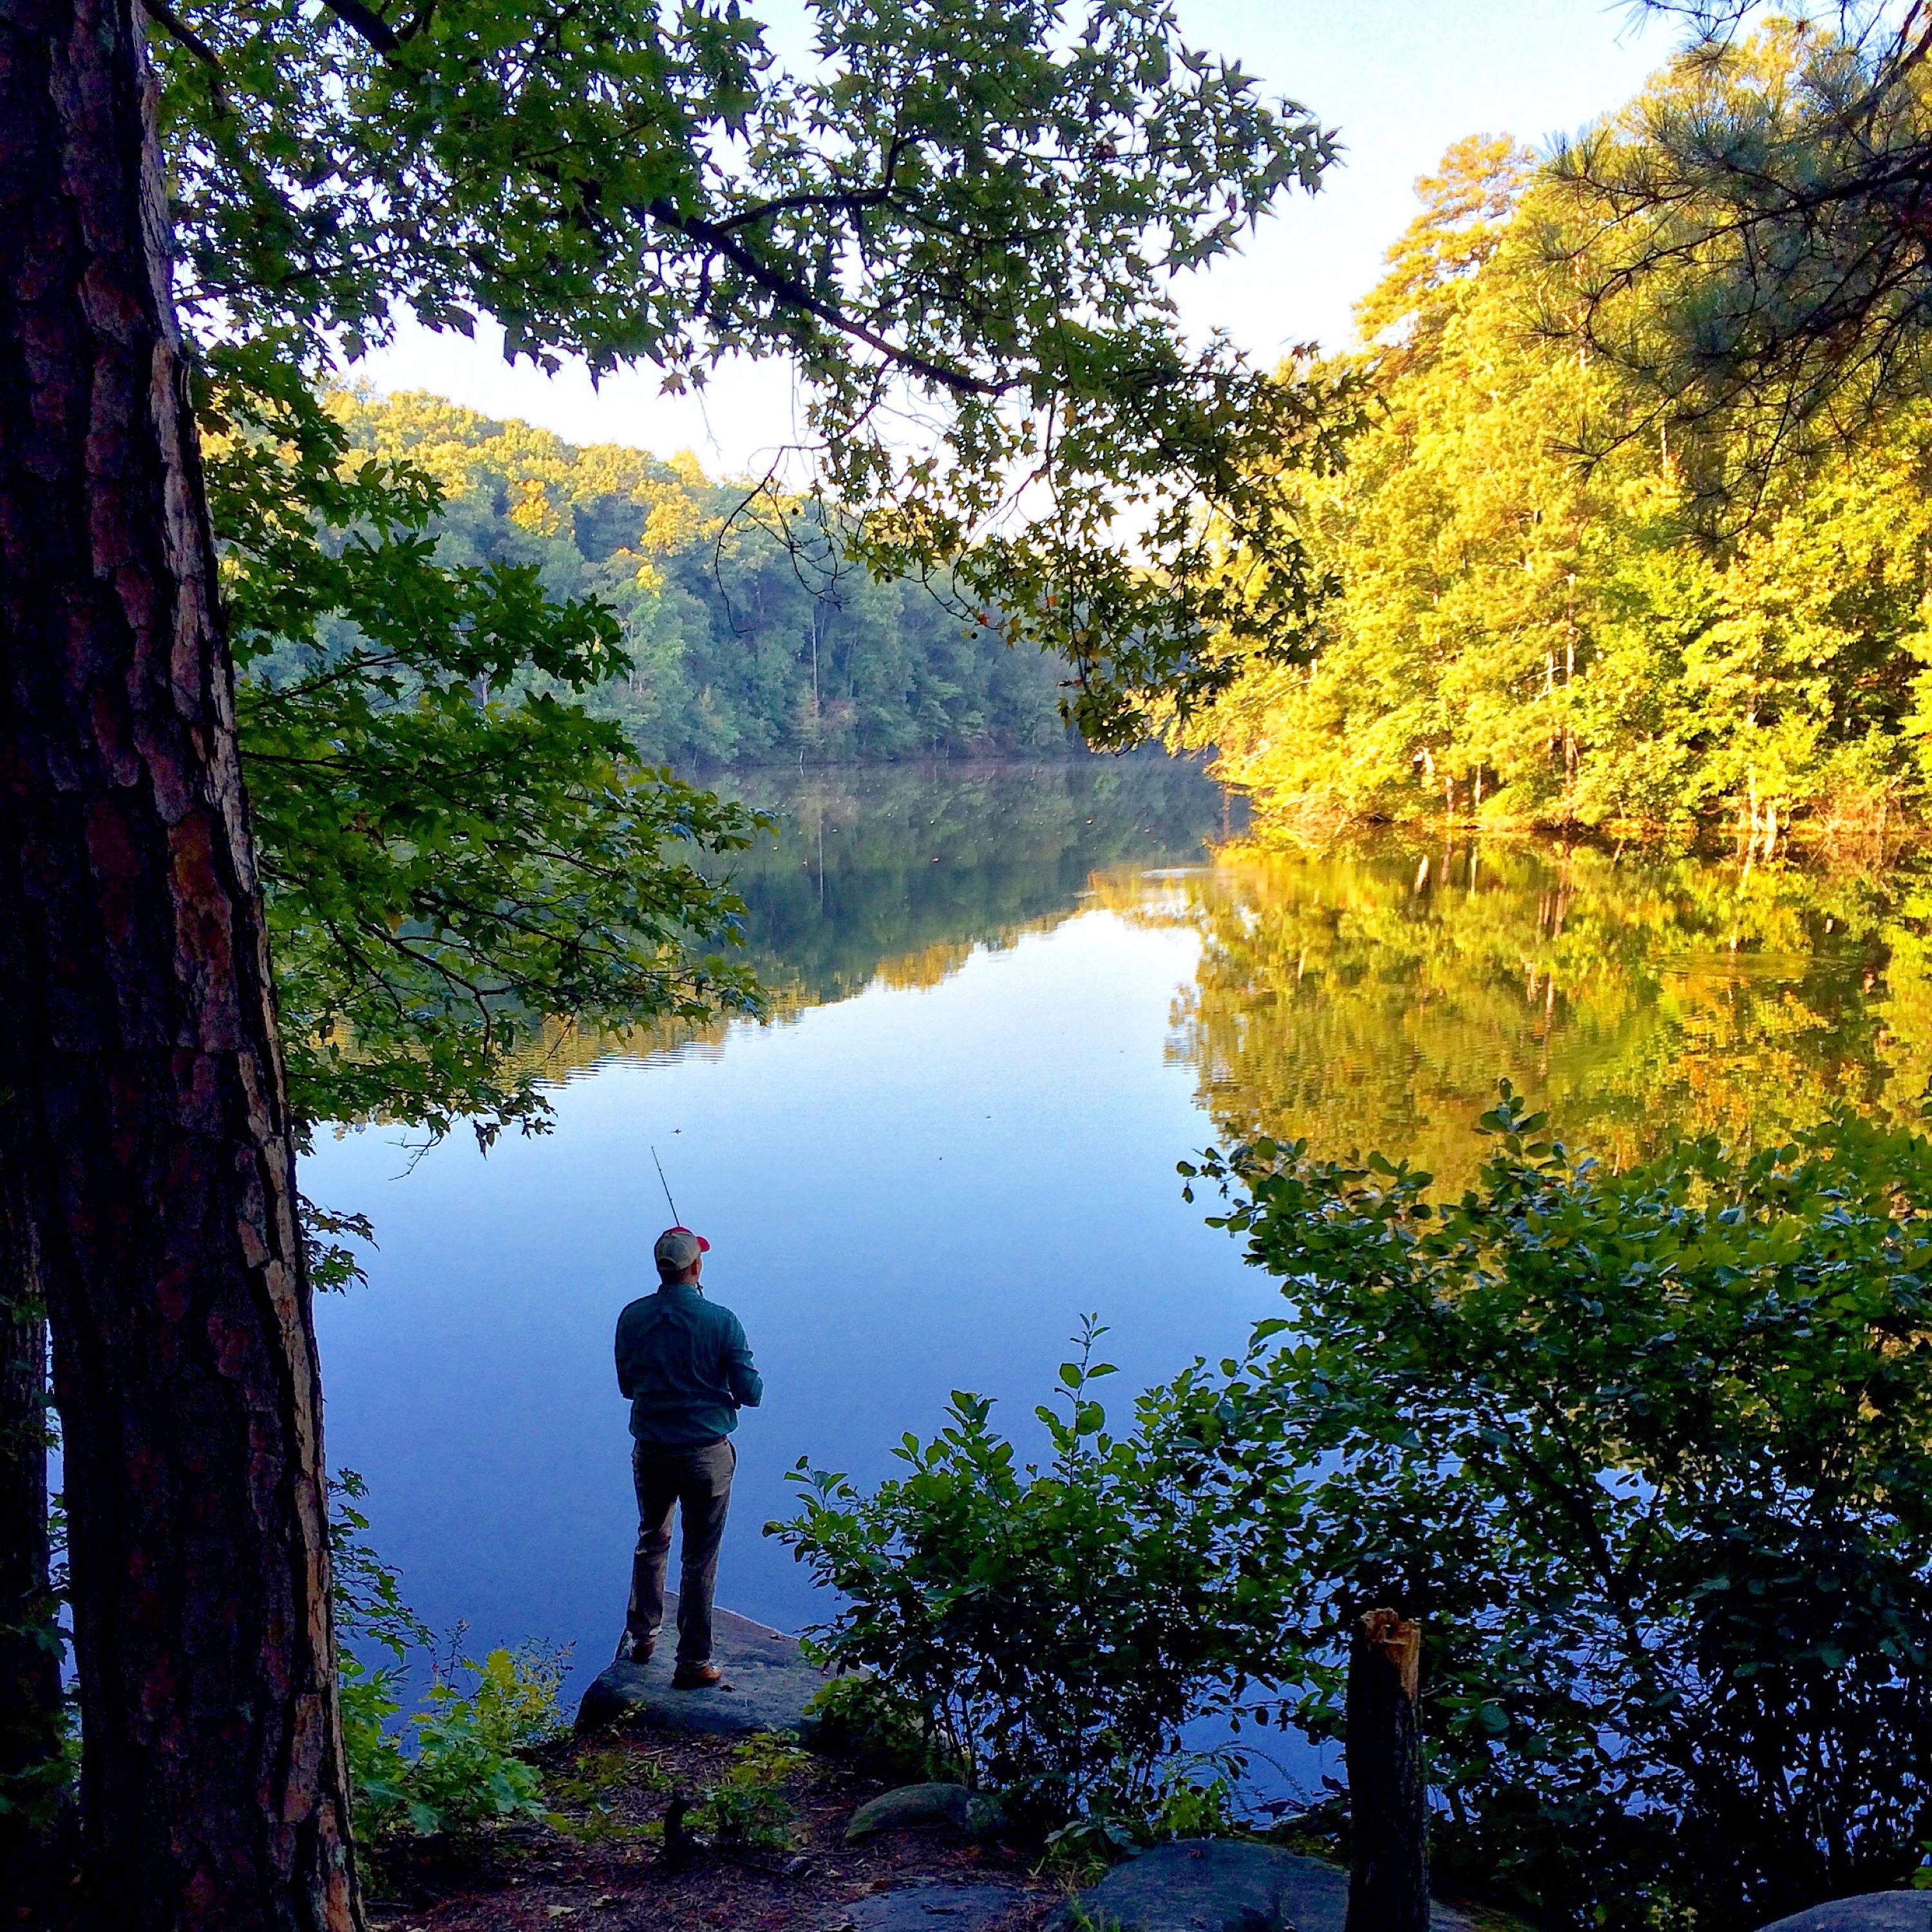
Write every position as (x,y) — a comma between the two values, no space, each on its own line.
(603,1865)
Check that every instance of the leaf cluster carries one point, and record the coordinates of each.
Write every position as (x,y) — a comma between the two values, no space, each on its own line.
(747,1808)
(1645,1452)
(1747,240)
(454,848)
(1056,1624)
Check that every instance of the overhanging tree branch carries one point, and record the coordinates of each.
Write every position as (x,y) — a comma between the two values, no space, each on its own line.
(789,290)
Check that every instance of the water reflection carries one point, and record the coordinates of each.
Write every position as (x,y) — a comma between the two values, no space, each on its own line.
(895,875)
(1372,995)
(960,1139)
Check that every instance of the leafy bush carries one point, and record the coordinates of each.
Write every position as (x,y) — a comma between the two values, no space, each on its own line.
(455,1763)
(880,1729)
(747,1806)
(1648,1455)
(1056,1627)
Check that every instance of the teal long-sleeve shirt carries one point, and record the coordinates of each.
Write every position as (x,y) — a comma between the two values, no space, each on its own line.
(686,1366)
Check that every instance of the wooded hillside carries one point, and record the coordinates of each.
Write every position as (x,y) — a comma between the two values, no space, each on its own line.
(743,650)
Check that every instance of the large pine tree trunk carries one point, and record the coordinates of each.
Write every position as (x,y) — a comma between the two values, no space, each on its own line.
(137,1044)
(34,1824)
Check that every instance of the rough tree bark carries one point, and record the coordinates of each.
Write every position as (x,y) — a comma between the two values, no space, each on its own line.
(33,1824)
(1388,1887)
(138,1047)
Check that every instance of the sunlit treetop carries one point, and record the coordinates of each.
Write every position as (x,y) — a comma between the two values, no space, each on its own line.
(1466,207)
(1747,240)
(962,221)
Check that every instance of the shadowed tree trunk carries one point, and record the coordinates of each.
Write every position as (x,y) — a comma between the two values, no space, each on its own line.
(138,1049)
(33,1833)
(1388,1889)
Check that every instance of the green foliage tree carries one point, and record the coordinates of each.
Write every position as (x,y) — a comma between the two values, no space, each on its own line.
(1524,637)
(1745,243)
(454,849)
(1645,1452)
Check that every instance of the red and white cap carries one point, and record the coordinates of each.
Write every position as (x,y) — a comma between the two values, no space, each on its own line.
(677,1248)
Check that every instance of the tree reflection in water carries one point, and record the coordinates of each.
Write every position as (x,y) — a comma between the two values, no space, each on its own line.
(1372,996)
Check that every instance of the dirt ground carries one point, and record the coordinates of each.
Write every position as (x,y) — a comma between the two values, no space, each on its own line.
(608,1872)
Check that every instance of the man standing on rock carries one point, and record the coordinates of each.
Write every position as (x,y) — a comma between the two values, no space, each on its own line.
(685,1364)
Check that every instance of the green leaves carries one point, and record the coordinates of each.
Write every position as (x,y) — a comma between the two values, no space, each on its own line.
(1056,1624)
(1738,242)
(971,212)
(1644,1452)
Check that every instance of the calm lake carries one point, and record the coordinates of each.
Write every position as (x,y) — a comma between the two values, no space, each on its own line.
(1007,1001)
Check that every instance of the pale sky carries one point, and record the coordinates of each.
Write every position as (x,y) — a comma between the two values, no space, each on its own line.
(1400,79)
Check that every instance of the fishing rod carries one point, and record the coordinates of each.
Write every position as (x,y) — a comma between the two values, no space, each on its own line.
(677,1219)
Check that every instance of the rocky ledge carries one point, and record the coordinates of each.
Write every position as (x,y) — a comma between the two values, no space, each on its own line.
(1226,1885)
(1870,1912)
(767,1685)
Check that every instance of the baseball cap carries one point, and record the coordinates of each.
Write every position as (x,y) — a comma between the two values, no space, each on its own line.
(677,1248)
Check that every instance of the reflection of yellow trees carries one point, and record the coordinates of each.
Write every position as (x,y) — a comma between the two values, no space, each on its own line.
(1373,996)
(565,1051)
(933,965)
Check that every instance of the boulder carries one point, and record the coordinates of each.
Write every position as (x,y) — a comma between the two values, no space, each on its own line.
(1870,1912)
(767,1685)
(970,1812)
(933,1906)
(1227,1885)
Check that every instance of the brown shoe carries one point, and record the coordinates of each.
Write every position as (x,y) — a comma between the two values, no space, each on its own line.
(634,1649)
(697,1677)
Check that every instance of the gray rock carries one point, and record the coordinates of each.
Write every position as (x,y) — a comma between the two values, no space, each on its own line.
(1227,1885)
(767,1685)
(1871,1912)
(971,1812)
(934,1906)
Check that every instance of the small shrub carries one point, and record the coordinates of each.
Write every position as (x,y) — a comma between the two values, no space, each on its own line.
(455,1763)
(1196,1801)
(885,1733)
(1194,1798)
(1054,1626)
(747,1807)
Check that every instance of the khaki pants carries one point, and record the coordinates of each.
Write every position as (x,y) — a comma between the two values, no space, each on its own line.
(696,1483)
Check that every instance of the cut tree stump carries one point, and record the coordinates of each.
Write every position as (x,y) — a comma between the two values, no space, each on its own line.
(1388,1887)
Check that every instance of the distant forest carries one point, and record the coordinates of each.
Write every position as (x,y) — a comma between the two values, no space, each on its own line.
(738,656)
